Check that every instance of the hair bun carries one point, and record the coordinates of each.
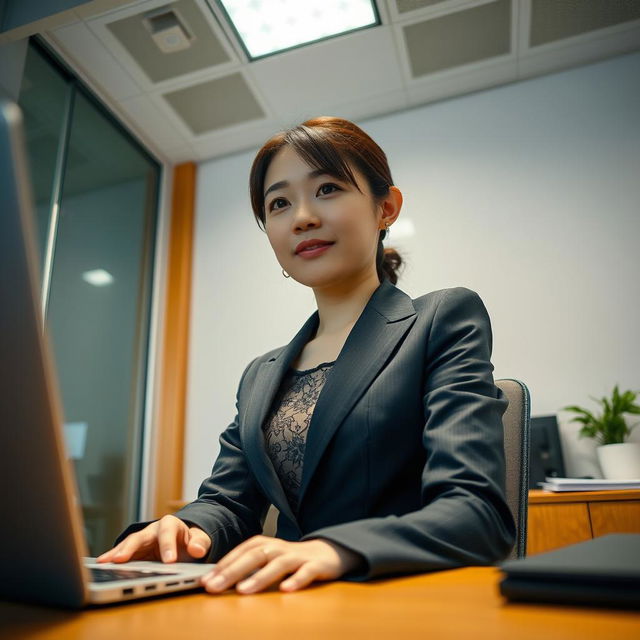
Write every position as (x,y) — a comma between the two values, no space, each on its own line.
(391,264)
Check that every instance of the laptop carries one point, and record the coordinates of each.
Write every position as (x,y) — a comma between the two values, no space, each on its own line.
(42,535)
(603,572)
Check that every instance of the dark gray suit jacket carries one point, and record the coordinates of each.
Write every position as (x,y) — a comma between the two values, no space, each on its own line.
(404,458)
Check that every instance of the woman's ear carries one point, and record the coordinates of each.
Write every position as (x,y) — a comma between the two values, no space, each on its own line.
(390,207)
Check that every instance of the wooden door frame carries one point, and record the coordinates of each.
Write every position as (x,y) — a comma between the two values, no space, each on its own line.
(167,459)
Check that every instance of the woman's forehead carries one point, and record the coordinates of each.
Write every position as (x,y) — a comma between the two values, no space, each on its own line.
(286,164)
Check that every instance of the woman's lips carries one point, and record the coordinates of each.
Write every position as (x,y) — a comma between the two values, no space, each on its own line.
(312,248)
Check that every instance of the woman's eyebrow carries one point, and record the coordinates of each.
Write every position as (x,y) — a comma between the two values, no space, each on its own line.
(285,183)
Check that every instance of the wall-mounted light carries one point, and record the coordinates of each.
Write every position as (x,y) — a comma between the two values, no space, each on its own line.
(98,277)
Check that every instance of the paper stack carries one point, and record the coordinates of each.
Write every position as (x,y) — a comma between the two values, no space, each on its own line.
(580,484)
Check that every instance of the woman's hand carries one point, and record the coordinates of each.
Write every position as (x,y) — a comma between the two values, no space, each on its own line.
(168,540)
(270,560)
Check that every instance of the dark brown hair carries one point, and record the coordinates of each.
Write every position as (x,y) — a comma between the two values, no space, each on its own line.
(333,145)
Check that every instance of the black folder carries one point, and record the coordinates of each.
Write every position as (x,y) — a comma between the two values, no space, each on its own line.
(603,572)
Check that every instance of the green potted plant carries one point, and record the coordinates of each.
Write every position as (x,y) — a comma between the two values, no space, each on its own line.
(619,459)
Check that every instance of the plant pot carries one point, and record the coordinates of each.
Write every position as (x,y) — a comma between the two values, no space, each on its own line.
(620,461)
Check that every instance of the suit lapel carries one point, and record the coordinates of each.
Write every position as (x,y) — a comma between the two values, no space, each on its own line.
(265,387)
(384,321)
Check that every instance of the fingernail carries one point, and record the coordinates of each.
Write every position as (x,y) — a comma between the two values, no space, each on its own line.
(119,554)
(216,583)
(288,585)
(247,585)
(168,556)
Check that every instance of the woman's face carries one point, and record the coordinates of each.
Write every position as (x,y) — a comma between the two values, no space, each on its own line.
(323,231)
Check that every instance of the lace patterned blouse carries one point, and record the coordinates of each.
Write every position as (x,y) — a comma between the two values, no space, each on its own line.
(286,427)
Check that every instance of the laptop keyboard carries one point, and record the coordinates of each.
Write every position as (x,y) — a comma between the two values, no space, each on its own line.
(110,575)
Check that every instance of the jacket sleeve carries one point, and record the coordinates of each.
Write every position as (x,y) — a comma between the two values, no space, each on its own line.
(464,519)
(230,506)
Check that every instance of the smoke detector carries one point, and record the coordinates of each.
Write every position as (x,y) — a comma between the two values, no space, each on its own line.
(168,30)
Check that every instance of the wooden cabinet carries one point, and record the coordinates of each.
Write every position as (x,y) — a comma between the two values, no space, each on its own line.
(559,519)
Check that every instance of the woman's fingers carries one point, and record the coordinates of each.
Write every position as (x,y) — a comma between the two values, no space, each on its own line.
(302,578)
(169,539)
(137,546)
(107,556)
(170,529)
(248,545)
(198,542)
(223,578)
(271,573)
(260,562)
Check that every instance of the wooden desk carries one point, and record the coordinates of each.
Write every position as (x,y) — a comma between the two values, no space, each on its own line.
(459,604)
(559,519)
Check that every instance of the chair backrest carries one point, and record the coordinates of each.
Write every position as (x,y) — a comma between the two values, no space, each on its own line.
(516,451)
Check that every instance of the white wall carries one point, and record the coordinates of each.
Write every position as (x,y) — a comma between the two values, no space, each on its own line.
(528,194)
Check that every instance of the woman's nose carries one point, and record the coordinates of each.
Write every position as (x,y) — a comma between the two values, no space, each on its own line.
(305,218)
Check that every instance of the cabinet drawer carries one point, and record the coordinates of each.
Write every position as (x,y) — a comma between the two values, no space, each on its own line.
(615,517)
(551,526)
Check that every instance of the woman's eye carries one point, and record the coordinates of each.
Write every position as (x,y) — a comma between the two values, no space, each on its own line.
(277,203)
(328,188)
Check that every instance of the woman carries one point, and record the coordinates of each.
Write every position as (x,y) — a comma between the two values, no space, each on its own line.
(377,430)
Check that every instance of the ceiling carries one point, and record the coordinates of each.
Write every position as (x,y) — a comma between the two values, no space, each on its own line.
(209,100)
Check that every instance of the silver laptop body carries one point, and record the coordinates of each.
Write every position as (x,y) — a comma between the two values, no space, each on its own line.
(41,534)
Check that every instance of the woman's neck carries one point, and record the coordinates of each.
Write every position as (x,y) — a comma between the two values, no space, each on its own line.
(340,307)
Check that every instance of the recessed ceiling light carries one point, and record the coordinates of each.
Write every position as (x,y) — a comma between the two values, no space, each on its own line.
(97,277)
(266,27)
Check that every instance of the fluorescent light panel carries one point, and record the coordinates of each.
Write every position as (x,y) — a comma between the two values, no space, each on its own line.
(268,26)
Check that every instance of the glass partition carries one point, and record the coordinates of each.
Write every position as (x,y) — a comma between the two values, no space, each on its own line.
(45,98)
(100,215)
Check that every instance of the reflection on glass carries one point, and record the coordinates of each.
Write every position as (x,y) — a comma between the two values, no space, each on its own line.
(43,99)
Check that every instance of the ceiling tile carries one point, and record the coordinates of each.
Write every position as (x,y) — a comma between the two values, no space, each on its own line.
(249,136)
(215,104)
(205,51)
(144,113)
(403,6)
(91,55)
(554,19)
(459,38)
(312,79)
(563,54)
(463,80)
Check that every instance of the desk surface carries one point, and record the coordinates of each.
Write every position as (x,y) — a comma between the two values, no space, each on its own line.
(451,604)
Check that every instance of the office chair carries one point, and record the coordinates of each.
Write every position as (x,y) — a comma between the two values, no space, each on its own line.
(516,452)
